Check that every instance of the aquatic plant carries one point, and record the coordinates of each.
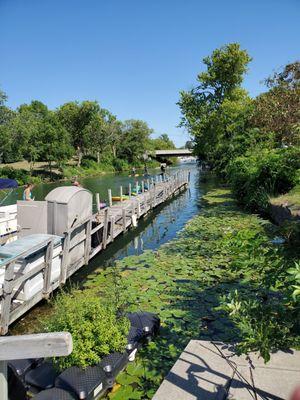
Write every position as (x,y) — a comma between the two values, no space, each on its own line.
(95,327)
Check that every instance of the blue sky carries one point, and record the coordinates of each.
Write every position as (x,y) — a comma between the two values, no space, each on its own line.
(135,56)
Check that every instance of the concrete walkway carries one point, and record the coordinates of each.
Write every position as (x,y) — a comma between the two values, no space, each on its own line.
(212,371)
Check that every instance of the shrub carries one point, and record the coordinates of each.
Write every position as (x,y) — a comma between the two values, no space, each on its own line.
(20,175)
(120,165)
(256,176)
(95,328)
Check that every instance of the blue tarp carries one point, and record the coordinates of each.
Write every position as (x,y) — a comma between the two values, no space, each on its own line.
(8,183)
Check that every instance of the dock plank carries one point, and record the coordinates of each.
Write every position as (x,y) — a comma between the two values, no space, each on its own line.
(213,371)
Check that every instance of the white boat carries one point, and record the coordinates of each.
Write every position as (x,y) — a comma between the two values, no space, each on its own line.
(8,214)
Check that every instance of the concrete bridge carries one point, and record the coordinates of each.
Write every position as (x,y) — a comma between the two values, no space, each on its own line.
(170,153)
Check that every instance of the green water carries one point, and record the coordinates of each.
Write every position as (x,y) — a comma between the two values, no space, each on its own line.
(157,228)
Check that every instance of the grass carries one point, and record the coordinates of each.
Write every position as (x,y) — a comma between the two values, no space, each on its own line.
(290,199)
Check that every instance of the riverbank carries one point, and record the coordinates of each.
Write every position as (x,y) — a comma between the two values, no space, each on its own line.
(223,278)
(40,173)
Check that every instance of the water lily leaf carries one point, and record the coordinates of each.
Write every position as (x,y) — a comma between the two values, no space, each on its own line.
(125,379)
(135,370)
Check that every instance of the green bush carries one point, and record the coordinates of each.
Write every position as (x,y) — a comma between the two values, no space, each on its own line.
(120,165)
(258,175)
(95,328)
(20,175)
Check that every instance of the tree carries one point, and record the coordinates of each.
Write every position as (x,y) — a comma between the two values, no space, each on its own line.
(55,141)
(278,110)
(6,115)
(189,144)
(218,108)
(134,140)
(163,142)
(76,118)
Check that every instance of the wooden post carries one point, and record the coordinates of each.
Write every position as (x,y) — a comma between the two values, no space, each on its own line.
(124,219)
(65,258)
(6,298)
(112,228)
(109,198)
(148,184)
(121,193)
(48,269)
(138,208)
(31,346)
(105,229)
(87,248)
(143,187)
(129,190)
(137,188)
(98,202)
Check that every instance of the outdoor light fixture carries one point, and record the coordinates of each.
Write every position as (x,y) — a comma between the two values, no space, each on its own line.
(82,395)
(108,373)
(129,348)
(147,332)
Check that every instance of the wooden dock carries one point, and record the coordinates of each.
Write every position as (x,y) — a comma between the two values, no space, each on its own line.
(91,235)
(212,370)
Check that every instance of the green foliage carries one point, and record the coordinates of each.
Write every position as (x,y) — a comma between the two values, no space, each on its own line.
(84,129)
(20,175)
(184,282)
(95,328)
(217,109)
(245,140)
(163,142)
(135,140)
(295,276)
(264,323)
(263,173)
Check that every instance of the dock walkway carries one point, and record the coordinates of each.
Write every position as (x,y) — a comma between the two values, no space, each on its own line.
(213,371)
(32,267)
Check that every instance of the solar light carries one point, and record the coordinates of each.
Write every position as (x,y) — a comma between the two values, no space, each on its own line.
(146,330)
(82,395)
(129,348)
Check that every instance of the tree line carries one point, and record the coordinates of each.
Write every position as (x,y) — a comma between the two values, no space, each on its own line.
(74,130)
(251,142)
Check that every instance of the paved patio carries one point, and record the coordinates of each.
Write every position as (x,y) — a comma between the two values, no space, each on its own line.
(212,371)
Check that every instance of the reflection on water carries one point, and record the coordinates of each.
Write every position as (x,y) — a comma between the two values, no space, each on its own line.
(158,227)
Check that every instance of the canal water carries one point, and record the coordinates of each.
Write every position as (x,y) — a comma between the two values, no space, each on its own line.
(155,229)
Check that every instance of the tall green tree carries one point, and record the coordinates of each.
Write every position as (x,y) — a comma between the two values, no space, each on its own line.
(55,141)
(76,119)
(163,142)
(278,110)
(6,115)
(134,140)
(216,109)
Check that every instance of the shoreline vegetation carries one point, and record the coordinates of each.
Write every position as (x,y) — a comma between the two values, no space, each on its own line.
(223,278)
(77,138)
(21,171)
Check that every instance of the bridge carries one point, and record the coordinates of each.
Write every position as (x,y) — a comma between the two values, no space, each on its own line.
(170,153)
